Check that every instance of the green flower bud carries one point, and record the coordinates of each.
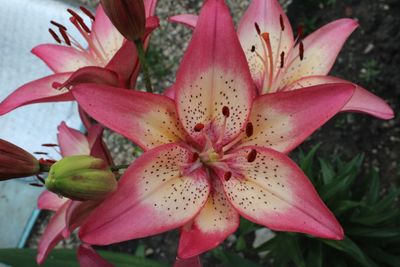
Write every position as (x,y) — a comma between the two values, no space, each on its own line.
(81,178)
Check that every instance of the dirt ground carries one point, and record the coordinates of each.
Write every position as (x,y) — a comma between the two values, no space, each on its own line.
(370,58)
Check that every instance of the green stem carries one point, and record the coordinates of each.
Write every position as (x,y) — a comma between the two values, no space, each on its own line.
(143,64)
(119,167)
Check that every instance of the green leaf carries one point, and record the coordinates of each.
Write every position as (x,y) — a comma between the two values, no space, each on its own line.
(350,248)
(127,260)
(284,247)
(374,188)
(315,256)
(67,258)
(327,172)
(307,161)
(240,244)
(230,259)
(27,258)
(140,251)
(345,205)
(382,256)
(246,226)
(384,232)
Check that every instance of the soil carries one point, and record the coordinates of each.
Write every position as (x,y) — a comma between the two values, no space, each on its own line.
(370,58)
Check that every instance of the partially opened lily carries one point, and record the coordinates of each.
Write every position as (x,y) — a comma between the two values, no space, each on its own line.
(213,153)
(108,59)
(279,62)
(70,214)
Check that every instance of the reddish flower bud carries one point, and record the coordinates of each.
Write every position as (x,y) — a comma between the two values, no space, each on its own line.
(16,162)
(81,178)
(128,16)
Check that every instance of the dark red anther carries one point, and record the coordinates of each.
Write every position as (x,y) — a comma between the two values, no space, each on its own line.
(282,59)
(49,145)
(65,36)
(225,111)
(227,176)
(36,184)
(252,155)
(60,26)
(282,22)
(87,13)
(300,31)
(301,50)
(257,28)
(74,14)
(40,153)
(55,36)
(249,129)
(40,178)
(79,20)
(195,157)
(253,49)
(56,85)
(198,127)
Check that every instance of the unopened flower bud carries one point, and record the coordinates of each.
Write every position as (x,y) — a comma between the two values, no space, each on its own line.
(81,178)
(16,162)
(128,16)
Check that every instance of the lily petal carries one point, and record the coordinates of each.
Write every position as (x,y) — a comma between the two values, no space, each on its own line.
(320,51)
(211,76)
(267,14)
(76,214)
(189,20)
(153,196)
(273,191)
(50,201)
(53,233)
(124,62)
(38,91)
(93,74)
(62,58)
(71,141)
(87,257)
(170,92)
(150,7)
(284,120)
(97,146)
(147,119)
(215,222)
(362,100)
(106,37)
(192,262)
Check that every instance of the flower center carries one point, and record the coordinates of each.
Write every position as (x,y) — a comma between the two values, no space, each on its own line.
(215,155)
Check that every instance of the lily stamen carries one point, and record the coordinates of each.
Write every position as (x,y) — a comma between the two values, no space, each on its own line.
(227,176)
(249,129)
(55,36)
(252,155)
(301,50)
(87,13)
(198,127)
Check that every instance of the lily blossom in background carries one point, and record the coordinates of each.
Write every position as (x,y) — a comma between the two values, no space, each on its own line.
(214,152)
(70,214)
(280,62)
(108,59)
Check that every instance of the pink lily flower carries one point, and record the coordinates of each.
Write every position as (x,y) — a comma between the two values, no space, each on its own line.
(70,214)
(108,59)
(279,62)
(214,152)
